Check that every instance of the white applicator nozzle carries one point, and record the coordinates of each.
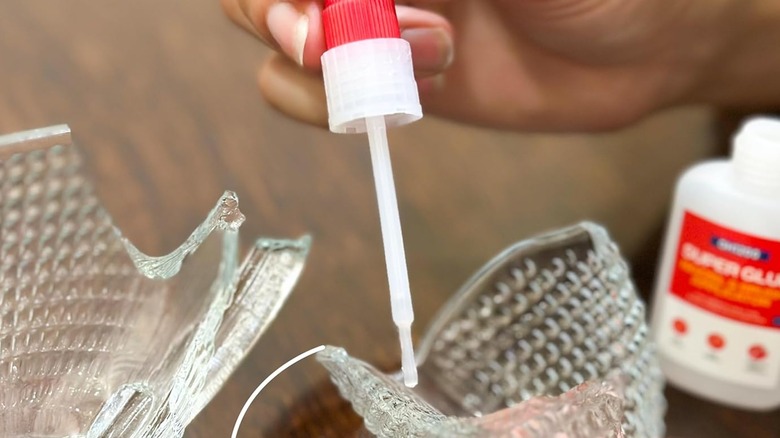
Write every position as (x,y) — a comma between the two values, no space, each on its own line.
(369,83)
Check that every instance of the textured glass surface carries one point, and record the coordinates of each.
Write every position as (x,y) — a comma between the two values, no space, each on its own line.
(548,339)
(100,340)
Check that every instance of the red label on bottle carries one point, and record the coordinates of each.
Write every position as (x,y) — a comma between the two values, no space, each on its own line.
(728,273)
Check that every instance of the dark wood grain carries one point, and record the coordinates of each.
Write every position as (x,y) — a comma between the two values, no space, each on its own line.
(161,98)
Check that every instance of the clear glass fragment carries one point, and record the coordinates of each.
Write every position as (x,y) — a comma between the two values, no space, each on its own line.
(100,340)
(547,340)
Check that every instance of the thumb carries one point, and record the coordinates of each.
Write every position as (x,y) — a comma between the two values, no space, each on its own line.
(588,28)
(553,9)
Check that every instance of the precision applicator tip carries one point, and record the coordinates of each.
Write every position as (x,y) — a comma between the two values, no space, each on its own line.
(408,365)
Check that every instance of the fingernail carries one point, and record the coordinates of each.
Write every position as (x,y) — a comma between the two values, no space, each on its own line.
(289,28)
(432,48)
(431,85)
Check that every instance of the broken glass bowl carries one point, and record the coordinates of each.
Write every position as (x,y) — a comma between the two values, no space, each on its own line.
(100,340)
(547,340)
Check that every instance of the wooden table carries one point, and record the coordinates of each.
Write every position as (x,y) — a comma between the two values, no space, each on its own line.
(161,97)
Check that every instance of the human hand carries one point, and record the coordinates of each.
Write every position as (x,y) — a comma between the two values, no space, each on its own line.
(542,65)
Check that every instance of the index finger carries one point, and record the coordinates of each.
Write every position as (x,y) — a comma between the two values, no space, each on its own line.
(291,27)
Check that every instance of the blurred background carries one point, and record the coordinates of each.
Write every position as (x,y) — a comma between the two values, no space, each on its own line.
(162,99)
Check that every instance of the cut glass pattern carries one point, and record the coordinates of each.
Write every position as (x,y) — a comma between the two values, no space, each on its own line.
(100,340)
(547,340)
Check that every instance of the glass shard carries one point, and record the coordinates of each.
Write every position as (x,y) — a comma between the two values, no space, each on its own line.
(548,339)
(98,339)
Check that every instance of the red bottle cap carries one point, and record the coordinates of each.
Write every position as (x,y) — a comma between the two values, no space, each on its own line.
(346,21)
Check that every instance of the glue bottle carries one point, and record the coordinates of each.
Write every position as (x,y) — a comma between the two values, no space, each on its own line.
(370,86)
(716,315)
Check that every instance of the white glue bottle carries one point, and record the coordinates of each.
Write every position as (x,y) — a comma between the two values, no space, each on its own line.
(716,315)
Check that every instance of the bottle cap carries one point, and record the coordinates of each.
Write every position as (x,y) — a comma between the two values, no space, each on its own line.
(756,153)
(367,68)
(347,21)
